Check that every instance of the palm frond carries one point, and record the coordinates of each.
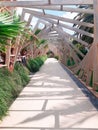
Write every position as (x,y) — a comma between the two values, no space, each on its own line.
(9,28)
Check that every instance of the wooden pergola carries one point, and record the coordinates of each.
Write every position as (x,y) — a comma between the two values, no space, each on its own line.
(86,67)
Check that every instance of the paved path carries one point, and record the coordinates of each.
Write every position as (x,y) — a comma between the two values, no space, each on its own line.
(51,101)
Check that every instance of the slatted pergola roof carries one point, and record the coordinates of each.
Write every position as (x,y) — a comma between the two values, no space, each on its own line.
(52,14)
(54,19)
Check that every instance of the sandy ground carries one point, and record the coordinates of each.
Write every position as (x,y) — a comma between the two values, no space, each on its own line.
(51,101)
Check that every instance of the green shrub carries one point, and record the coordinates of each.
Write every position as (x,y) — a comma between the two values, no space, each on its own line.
(39,61)
(23,73)
(3,107)
(34,64)
(6,96)
(43,58)
(4,72)
(10,85)
(56,57)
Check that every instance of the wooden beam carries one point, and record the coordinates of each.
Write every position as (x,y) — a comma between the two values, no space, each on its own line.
(71,2)
(59,18)
(40,15)
(23,3)
(75,57)
(64,8)
(95,67)
(75,38)
(78,10)
(44,2)
(36,26)
(22,15)
(95,62)
(3,65)
(69,36)
(53,35)
(43,11)
(49,2)
(76,49)
(8,52)
(29,20)
(44,22)
(77,30)
(96,21)
(64,36)
(44,32)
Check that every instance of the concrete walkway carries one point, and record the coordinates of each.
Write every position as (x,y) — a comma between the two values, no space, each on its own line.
(51,101)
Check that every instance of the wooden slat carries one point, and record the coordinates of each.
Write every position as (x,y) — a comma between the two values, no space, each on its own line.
(59,18)
(43,2)
(36,26)
(53,35)
(75,57)
(67,9)
(44,31)
(62,19)
(44,22)
(70,28)
(29,20)
(78,40)
(76,49)
(8,49)
(61,24)
(71,2)
(75,38)
(95,62)
(22,15)
(96,21)
(40,15)
(77,30)
(63,35)
(88,11)
(3,65)
(23,3)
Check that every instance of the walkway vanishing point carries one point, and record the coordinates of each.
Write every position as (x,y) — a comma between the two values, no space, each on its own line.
(53,101)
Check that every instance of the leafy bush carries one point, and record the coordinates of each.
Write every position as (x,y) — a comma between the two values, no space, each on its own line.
(10,85)
(56,57)
(34,64)
(23,73)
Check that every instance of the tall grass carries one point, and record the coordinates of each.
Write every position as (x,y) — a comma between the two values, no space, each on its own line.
(10,86)
(11,83)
